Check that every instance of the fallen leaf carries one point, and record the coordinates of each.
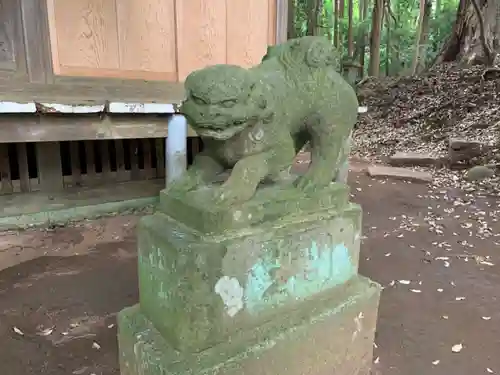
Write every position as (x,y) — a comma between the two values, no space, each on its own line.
(18,331)
(96,345)
(46,332)
(436,362)
(489,370)
(377,360)
(486,317)
(487,263)
(457,348)
(404,282)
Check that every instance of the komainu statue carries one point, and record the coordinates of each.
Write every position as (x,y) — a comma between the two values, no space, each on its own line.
(254,121)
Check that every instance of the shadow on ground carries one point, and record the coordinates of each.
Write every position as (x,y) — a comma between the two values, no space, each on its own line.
(65,306)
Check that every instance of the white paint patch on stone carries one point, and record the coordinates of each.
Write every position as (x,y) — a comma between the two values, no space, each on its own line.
(231,292)
(359,325)
(15,107)
(237,215)
(120,107)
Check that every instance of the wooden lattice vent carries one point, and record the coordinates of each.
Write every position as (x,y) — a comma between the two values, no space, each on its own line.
(49,166)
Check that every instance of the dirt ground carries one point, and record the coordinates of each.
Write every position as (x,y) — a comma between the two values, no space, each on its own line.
(437,253)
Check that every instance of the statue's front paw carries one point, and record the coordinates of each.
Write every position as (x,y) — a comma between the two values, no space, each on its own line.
(229,194)
(185,183)
(309,182)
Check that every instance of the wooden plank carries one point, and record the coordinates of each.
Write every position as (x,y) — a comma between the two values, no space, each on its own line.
(281,21)
(7,35)
(76,169)
(272,9)
(201,34)
(83,71)
(36,40)
(48,155)
(134,159)
(90,161)
(121,171)
(5,175)
(22,160)
(146,151)
(12,55)
(71,89)
(160,157)
(247,31)
(83,34)
(146,36)
(67,128)
(106,166)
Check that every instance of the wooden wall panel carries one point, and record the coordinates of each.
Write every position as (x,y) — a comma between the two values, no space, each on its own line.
(201,34)
(146,32)
(247,31)
(84,35)
(7,32)
(12,51)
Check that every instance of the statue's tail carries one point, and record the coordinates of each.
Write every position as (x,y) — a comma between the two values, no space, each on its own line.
(314,51)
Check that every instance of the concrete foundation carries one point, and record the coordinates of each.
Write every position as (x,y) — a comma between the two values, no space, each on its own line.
(335,338)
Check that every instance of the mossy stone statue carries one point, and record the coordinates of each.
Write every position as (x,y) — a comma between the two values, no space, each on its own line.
(254,122)
(257,273)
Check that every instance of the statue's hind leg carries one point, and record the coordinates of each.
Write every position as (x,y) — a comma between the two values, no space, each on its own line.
(327,156)
(343,172)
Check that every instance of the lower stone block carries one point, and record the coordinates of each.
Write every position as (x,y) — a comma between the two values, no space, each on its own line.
(336,338)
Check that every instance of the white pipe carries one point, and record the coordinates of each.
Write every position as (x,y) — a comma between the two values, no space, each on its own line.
(176,148)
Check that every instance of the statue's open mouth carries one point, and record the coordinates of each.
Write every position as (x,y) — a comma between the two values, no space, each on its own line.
(221,134)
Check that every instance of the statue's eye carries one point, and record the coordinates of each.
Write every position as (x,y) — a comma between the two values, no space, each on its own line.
(198,100)
(229,103)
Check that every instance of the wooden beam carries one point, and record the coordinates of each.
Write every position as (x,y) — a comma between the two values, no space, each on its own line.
(5,175)
(48,155)
(281,21)
(55,128)
(22,160)
(36,40)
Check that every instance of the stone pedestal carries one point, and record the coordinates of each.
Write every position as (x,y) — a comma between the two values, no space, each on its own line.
(267,287)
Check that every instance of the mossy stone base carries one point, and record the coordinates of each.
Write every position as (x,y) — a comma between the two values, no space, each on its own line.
(336,337)
(278,202)
(197,288)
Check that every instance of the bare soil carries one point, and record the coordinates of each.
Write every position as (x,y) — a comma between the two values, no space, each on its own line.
(437,254)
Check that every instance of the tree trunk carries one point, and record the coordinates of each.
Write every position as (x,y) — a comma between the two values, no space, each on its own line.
(469,42)
(336,26)
(312,17)
(350,36)
(374,66)
(422,36)
(362,36)
(291,19)
(388,47)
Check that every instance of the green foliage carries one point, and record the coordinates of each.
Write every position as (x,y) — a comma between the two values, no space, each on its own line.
(399,32)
